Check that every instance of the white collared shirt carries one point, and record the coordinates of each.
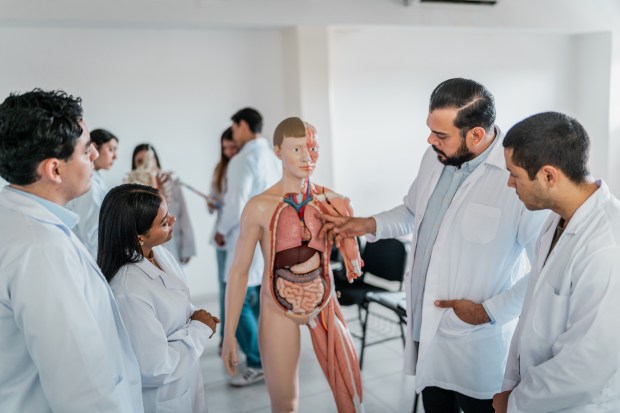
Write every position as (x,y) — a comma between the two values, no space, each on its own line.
(250,172)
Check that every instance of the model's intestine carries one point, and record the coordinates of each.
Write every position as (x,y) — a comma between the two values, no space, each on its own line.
(300,287)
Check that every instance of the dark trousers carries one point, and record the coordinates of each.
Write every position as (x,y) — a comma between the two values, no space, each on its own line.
(437,400)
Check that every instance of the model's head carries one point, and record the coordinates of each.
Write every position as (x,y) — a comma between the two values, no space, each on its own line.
(141,154)
(539,149)
(246,124)
(42,135)
(107,145)
(461,112)
(296,144)
(132,217)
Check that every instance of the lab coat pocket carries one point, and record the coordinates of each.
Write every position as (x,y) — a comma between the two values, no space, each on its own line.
(180,404)
(452,326)
(551,314)
(480,222)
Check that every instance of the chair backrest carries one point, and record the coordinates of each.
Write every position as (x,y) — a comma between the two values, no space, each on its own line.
(385,259)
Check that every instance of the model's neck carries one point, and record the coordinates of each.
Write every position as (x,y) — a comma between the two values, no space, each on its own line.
(291,184)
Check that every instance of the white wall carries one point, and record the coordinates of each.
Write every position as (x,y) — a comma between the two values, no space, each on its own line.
(176,89)
(382,79)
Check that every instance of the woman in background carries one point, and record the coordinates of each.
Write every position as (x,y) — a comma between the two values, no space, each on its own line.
(168,334)
(228,149)
(182,245)
(87,206)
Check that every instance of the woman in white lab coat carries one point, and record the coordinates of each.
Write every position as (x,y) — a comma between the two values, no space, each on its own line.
(168,334)
(87,206)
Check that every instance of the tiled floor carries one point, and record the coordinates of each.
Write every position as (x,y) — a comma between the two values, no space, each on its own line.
(386,388)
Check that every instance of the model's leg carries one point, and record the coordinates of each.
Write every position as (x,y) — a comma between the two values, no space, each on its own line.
(247,330)
(280,348)
(221,265)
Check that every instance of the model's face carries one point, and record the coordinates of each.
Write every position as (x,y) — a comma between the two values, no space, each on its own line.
(77,171)
(161,229)
(107,155)
(140,160)
(445,138)
(531,192)
(229,148)
(299,155)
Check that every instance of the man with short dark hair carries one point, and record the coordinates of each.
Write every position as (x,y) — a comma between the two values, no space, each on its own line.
(63,346)
(251,171)
(469,232)
(565,354)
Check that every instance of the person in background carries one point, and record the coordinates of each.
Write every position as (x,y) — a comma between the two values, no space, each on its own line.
(87,206)
(182,245)
(63,346)
(215,203)
(167,332)
(254,169)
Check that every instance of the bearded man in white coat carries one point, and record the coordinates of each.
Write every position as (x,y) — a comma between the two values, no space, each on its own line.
(63,346)
(565,354)
(464,279)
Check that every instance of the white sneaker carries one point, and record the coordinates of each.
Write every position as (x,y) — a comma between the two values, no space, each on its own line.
(249,376)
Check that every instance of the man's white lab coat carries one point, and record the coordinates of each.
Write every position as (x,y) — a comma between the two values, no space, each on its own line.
(478,256)
(63,346)
(565,354)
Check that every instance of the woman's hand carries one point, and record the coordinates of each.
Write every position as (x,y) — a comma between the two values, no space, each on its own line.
(206,318)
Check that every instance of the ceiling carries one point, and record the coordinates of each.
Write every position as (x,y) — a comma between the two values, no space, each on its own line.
(549,15)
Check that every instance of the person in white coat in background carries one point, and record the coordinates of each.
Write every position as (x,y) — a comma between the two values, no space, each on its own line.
(87,206)
(167,332)
(565,354)
(464,281)
(251,171)
(63,345)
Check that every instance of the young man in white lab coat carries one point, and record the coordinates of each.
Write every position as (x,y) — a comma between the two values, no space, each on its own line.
(63,345)
(464,281)
(565,354)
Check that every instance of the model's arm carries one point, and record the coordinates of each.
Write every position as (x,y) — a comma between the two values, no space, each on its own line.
(585,356)
(78,370)
(237,285)
(162,358)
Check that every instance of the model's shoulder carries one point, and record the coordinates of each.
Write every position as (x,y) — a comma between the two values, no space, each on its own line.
(323,193)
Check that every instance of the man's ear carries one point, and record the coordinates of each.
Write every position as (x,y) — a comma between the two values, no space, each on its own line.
(278,152)
(550,175)
(50,169)
(477,134)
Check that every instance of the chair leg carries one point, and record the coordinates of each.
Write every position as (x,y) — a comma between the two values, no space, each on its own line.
(415,402)
(402,333)
(364,325)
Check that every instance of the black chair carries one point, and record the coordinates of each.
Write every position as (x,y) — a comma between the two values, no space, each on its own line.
(384,259)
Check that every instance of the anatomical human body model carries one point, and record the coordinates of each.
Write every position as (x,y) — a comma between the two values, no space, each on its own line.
(297,287)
